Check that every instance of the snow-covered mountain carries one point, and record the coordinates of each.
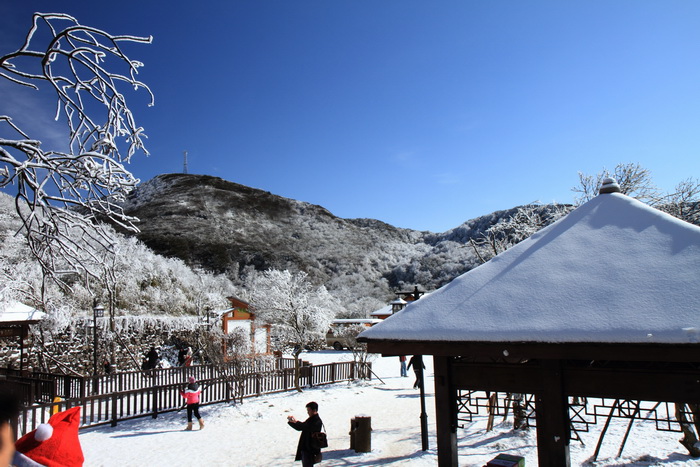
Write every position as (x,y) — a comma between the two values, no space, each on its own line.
(226,227)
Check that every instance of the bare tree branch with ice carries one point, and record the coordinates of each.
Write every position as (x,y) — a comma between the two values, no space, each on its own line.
(61,193)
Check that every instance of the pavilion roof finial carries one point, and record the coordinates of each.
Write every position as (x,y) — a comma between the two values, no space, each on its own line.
(609,186)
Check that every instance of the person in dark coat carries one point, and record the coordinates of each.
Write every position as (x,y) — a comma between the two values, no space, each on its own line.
(305,452)
(181,357)
(152,358)
(417,363)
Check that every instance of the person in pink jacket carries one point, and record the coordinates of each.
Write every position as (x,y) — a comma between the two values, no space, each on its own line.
(191,395)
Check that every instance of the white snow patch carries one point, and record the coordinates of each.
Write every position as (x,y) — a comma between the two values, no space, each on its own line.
(255,433)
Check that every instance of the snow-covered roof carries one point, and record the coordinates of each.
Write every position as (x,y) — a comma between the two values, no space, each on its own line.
(221,313)
(356,321)
(383,311)
(16,311)
(613,271)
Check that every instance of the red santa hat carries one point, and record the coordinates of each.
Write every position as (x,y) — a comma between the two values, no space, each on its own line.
(55,444)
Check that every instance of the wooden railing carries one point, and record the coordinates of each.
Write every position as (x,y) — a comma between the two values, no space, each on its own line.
(159,392)
(45,387)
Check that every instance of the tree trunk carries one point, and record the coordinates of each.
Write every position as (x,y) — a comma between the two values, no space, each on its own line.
(297,370)
(690,439)
(695,410)
(519,414)
(493,401)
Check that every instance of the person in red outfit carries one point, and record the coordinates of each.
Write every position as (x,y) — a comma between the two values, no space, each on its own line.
(191,395)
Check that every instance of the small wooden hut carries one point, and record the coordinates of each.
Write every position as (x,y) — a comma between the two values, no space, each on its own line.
(603,303)
(239,316)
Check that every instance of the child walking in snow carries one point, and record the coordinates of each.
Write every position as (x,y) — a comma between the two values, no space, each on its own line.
(191,395)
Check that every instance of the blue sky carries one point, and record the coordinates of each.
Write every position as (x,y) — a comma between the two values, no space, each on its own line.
(420,114)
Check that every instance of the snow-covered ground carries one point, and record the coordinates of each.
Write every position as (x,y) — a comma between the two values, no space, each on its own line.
(255,433)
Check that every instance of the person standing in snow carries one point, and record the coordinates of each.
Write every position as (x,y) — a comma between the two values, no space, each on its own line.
(188,357)
(181,357)
(191,395)
(418,366)
(404,371)
(152,358)
(306,453)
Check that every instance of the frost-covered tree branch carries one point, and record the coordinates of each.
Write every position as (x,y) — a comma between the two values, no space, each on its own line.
(360,355)
(86,68)
(522,224)
(634,180)
(299,311)
(684,202)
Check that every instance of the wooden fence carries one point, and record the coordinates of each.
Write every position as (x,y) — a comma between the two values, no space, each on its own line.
(125,396)
(45,387)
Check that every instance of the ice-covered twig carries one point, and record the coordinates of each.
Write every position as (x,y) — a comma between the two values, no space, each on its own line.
(61,192)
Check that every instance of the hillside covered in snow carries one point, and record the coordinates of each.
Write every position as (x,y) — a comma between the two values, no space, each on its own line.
(226,227)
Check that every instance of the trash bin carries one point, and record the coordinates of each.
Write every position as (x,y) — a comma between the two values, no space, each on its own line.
(361,434)
(506,460)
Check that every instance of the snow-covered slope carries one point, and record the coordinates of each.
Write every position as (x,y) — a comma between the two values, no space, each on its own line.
(225,227)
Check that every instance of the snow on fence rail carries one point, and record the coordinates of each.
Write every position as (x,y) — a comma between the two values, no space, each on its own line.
(162,394)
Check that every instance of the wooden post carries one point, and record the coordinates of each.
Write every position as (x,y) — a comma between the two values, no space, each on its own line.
(553,431)
(114,410)
(22,357)
(445,413)
(604,430)
(629,428)
(154,392)
(423,413)
(493,406)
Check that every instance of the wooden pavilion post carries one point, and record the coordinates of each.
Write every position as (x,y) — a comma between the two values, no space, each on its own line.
(551,405)
(423,412)
(22,357)
(445,413)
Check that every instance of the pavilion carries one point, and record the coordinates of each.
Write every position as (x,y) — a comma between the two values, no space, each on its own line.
(604,302)
(15,319)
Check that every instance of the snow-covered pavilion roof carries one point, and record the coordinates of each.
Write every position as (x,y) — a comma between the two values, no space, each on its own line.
(18,312)
(383,311)
(613,271)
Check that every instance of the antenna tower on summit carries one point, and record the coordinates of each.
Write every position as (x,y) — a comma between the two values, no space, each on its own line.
(184,169)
